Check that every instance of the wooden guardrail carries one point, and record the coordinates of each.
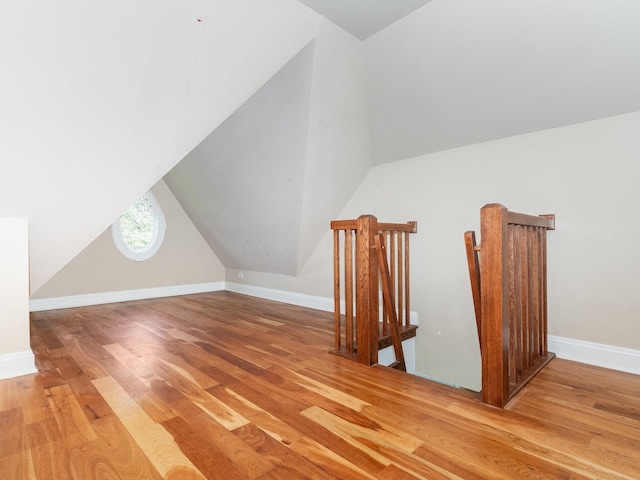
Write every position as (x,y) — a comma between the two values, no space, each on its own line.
(364,252)
(509,287)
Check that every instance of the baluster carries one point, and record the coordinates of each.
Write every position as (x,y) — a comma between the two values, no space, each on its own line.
(349,323)
(336,288)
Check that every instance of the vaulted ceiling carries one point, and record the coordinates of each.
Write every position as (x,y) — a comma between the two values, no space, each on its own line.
(243,185)
(437,75)
(95,112)
(456,73)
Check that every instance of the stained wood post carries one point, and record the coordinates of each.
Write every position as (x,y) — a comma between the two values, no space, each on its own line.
(494,309)
(367,290)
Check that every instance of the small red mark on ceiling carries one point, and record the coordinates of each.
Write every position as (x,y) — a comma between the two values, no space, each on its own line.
(199,20)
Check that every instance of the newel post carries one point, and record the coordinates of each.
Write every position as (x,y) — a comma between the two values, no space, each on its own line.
(367,290)
(494,309)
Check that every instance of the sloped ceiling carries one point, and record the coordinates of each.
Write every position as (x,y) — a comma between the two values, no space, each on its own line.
(437,75)
(99,100)
(94,113)
(243,185)
(456,72)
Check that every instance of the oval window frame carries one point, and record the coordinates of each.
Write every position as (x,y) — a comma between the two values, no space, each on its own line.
(159,228)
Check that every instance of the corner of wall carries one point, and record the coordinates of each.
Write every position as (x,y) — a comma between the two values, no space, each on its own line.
(17,364)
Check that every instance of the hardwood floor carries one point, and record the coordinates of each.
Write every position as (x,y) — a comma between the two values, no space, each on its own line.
(223,386)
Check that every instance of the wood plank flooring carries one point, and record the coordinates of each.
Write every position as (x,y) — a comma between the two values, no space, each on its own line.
(224,386)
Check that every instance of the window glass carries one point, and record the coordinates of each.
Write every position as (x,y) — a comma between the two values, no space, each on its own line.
(139,231)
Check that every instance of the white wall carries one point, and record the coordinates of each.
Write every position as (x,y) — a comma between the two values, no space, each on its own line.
(242,185)
(338,145)
(587,174)
(285,162)
(184,258)
(338,158)
(15,351)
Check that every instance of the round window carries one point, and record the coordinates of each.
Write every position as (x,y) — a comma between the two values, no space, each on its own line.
(139,231)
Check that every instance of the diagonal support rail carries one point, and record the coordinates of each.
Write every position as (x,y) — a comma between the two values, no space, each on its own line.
(389,305)
(474,275)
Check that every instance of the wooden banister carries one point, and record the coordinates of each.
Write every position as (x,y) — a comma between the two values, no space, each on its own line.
(359,246)
(509,287)
(366,290)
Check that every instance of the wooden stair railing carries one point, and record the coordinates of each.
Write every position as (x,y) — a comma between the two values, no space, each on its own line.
(509,287)
(371,259)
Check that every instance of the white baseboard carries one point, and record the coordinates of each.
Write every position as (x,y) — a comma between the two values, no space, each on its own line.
(122,296)
(616,358)
(598,354)
(17,364)
(293,298)
(607,356)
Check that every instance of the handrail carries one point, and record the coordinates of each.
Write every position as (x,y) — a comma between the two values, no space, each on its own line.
(410,227)
(357,267)
(547,222)
(509,287)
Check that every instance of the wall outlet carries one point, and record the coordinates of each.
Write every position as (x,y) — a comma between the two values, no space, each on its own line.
(240,275)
